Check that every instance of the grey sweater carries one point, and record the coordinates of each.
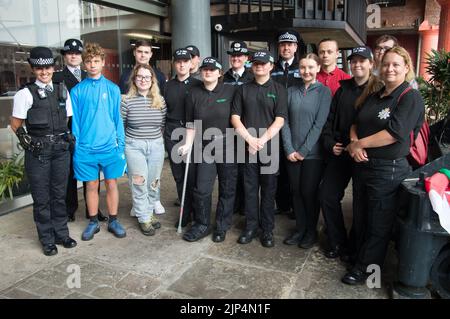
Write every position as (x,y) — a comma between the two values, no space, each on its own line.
(307,114)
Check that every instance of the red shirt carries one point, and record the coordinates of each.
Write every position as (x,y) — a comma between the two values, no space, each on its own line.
(332,79)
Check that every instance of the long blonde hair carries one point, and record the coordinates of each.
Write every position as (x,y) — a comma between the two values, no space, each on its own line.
(153,94)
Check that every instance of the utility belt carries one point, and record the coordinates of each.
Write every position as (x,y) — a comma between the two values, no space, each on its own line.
(39,144)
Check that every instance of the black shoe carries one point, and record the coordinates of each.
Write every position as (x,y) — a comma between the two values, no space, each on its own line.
(267,240)
(66,242)
(355,277)
(247,236)
(293,239)
(101,217)
(177,202)
(197,232)
(218,236)
(71,217)
(50,250)
(291,215)
(184,222)
(337,251)
(308,241)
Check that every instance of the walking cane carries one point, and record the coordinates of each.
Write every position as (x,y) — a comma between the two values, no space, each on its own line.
(184,189)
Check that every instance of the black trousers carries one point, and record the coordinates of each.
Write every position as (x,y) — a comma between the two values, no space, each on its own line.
(206,176)
(72,191)
(379,181)
(283,197)
(259,212)
(338,172)
(178,169)
(48,173)
(305,179)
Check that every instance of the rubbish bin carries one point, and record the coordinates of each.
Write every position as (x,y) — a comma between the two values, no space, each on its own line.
(423,246)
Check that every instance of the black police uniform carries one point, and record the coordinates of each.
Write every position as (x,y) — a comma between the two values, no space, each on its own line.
(228,77)
(381,176)
(47,166)
(175,94)
(258,106)
(213,109)
(339,169)
(72,191)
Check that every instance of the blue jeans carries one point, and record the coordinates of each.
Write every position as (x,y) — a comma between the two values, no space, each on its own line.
(145,159)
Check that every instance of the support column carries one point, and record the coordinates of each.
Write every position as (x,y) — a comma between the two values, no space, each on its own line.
(429,36)
(191,24)
(444,25)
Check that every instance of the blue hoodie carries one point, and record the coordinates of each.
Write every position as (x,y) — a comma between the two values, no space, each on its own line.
(97,124)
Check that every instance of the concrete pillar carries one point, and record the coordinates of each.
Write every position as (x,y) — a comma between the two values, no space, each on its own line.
(444,25)
(429,36)
(191,24)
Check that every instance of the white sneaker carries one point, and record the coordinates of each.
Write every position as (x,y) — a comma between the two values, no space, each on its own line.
(159,208)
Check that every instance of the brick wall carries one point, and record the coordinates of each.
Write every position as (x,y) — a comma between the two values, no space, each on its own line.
(432,12)
(403,16)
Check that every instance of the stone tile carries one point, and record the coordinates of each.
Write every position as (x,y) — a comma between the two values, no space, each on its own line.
(19,294)
(281,257)
(209,278)
(321,278)
(31,285)
(168,295)
(108,292)
(137,284)
(56,278)
(77,295)
(54,292)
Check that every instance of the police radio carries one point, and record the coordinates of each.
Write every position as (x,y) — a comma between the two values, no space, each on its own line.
(62,94)
(42,94)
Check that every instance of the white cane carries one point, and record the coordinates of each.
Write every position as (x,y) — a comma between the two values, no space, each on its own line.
(184,189)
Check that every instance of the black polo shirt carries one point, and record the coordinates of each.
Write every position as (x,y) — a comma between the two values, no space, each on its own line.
(259,105)
(175,93)
(383,113)
(342,114)
(213,108)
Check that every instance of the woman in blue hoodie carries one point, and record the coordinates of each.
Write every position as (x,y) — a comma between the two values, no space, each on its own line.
(308,107)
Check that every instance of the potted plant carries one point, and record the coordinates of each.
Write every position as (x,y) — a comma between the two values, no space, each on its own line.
(11,175)
(436,95)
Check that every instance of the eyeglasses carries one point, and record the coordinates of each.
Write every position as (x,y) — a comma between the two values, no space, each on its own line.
(384,49)
(147,78)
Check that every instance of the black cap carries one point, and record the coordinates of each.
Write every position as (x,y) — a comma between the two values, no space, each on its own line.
(181,54)
(211,63)
(193,50)
(363,51)
(289,36)
(41,57)
(238,48)
(263,56)
(72,45)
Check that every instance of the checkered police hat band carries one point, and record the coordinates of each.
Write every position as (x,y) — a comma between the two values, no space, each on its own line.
(287,37)
(41,61)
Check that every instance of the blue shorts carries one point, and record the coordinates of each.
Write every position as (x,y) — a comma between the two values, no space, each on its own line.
(87,166)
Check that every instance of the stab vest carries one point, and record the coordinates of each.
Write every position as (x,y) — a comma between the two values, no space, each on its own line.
(47,116)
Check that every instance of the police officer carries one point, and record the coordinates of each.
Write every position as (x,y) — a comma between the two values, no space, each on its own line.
(238,74)
(44,106)
(258,113)
(195,62)
(71,75)
(208,108)
(175,94)
(286,72)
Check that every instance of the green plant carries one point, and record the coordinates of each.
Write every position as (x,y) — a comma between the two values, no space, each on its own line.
(11,174)
(436,91)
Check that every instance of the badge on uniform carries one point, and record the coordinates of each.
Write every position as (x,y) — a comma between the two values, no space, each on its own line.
(41,93)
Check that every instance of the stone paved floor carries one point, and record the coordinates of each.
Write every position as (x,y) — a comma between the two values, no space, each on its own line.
(165,266)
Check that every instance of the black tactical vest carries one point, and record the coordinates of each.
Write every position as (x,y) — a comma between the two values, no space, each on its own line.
(47,115)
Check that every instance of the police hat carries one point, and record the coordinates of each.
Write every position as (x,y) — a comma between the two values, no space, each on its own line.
(289,36)
(41,57)
(72,45)
(193,50)
(181,54)
(363,51)
(238,48)
(263,56)
(211,63)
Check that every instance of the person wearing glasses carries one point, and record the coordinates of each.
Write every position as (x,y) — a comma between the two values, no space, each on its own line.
(382,44)
(143,112)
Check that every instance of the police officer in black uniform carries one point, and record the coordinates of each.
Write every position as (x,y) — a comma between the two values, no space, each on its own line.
(208,108)
(258,113)
(44,106)
(286,72)
(71,75)
(175,94)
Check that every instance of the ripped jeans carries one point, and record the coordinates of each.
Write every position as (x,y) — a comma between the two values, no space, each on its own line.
(145,159)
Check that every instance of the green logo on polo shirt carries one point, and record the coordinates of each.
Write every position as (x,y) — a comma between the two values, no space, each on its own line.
(271,95)
(221,100)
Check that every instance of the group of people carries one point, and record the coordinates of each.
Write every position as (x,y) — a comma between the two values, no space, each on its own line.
(306,128)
